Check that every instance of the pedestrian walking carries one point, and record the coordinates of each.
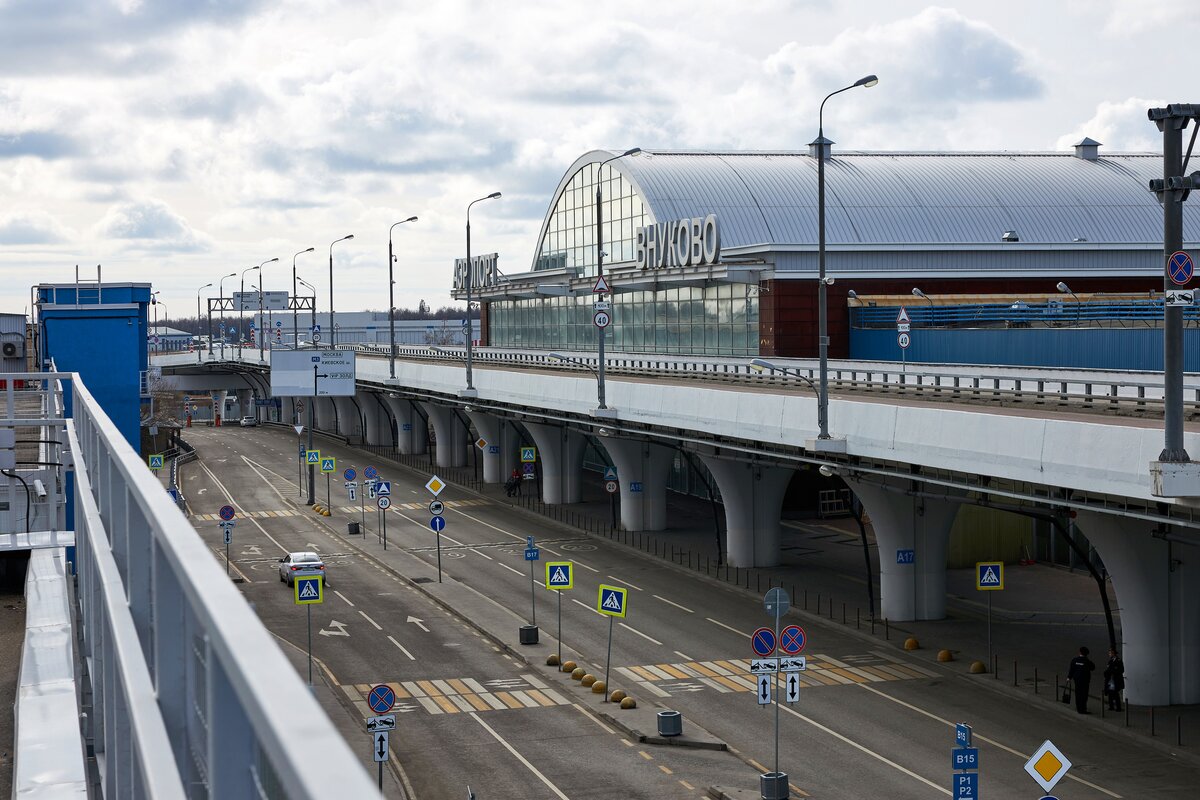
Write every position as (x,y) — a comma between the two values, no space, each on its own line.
(1114,679)
(1080,672)
(513,485)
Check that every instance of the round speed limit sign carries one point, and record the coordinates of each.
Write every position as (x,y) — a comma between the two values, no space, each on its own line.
(385,502)
(610,487)
(904,340)
(602,319)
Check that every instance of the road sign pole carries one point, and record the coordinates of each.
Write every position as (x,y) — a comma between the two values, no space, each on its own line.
(328,497)
(309,607)
(989,594)
(299,462)
(532,599)
(608,660)
(227,557)
(380,776)
(384,513)
(438,534)
(560,633)
(778,610)
(362,499)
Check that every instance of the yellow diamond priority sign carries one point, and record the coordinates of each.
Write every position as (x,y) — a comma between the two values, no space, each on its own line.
(435,485)
(1047,765)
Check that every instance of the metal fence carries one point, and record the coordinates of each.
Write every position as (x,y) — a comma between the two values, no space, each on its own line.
(191,697)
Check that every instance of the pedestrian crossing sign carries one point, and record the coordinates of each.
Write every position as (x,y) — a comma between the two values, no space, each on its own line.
(560,574)
(528,455)
(989,576)
(156,461)
(328,464)
(312,456)
(612,601)
(308,590)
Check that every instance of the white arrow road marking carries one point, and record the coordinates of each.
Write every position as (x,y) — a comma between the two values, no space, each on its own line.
(419,623)
(402,649)
(341,629)
(311,546)
(252,550)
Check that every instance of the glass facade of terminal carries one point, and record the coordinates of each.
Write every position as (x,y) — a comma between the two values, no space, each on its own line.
(570,239)
(712,320)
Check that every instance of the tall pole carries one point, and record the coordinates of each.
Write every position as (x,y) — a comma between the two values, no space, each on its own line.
(222,288)
(313,311)
(198,291)
(332,327)
(1172,203)
(312,421)
(600,274)
(295,311)
(241,307)
(469,279)
(392,302)
(822,316)
(262,335)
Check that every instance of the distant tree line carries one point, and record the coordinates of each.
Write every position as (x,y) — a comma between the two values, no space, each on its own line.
(422,311)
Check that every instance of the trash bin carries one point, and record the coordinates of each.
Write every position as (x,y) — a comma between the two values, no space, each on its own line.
(352,528)
(774,786)
(670,723)
(529,634)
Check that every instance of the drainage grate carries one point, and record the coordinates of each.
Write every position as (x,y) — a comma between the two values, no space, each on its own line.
(422,580)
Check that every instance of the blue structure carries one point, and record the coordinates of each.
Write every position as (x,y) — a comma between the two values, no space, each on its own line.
(99,331)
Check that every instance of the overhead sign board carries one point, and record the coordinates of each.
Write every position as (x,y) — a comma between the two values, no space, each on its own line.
(249,301)
(308,373)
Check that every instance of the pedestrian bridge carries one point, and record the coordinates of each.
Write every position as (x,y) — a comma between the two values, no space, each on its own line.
(914,444)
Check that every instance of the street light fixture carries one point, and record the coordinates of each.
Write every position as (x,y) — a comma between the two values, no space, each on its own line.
(470,391)
(392,303)
(600,274)
(154,324)
(332,327)
(1062,287)
(262,334)
(918,293)
(241,307)
(761,365)
(221,286)
(313,324)
(295,292)
(823,323)
(200,358)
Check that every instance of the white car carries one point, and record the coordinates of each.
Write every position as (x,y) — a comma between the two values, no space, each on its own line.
(248,422)
(302,564)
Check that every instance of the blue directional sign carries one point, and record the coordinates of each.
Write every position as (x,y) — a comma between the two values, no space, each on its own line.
(635,486)
(1180,267)
(965,784)
(381,698)
(610,473)
(763,642)
(349,474)
(965,757)
(532,554)
(371,472)
(383,488)
(906,556)
(493,449)
(316,328)
(962,734)
(437,524)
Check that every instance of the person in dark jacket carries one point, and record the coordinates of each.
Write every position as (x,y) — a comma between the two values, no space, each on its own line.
(1114,680)
(1080,672)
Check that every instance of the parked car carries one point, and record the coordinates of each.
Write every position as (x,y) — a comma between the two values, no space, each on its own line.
(302,564)
(248,422)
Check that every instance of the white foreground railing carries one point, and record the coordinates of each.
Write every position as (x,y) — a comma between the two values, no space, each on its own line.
(191,697)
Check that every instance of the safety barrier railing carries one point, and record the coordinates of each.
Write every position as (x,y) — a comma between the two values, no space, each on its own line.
(191,696)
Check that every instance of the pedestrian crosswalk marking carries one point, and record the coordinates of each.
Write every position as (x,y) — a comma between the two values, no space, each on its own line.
(733,675)
(441,696)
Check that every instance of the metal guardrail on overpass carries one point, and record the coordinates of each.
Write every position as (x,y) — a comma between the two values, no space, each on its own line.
(191,697)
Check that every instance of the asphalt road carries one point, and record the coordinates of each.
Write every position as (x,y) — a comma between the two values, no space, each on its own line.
(870,720)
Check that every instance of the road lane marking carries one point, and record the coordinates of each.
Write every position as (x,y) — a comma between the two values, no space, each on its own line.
(368,619)
(475,550)
(520,758)
(627,583)
(728,627)
(229,498)
(990,741)
(339,594)
(585,605)
(684,656)
(510,569)
(673,603)
(864,749)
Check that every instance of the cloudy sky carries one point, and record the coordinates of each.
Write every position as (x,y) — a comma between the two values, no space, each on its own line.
(176,141)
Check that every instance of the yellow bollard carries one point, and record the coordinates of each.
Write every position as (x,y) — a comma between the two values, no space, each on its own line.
(598,687)
(945,655)
(911,643)
(628,702)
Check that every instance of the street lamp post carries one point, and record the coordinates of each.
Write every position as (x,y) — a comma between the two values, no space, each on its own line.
(241,303)
(822,320)
(332,327)
(392,303)
(600,274)
(262,335)
(312,289)
(154,324)
(200,358)
(295,320)
(468,277)
(221,286)
(916,292)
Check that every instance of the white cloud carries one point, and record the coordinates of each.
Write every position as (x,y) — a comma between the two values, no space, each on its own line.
(1129,17)
(1119,126)
(32,227)
(151,225)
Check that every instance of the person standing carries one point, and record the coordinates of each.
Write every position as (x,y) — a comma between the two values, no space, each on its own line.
(1080,672)
(1114,679)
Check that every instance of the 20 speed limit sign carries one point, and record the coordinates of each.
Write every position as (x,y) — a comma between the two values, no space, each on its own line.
(384,503)
(602,319)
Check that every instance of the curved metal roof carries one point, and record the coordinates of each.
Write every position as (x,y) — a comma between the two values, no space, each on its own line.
(933,199)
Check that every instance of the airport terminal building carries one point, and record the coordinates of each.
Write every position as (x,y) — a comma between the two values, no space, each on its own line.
(716,253)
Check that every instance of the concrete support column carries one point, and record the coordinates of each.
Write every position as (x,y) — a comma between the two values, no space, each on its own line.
(245,399)
(510,444)
(287,410)
(753,495)
(916,589)
(326,416)
(560,450)
(451,435)
(349,420)
(378,422)
(412,433)
(218,401)
(1157,584)
(489,427)
(642,470)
